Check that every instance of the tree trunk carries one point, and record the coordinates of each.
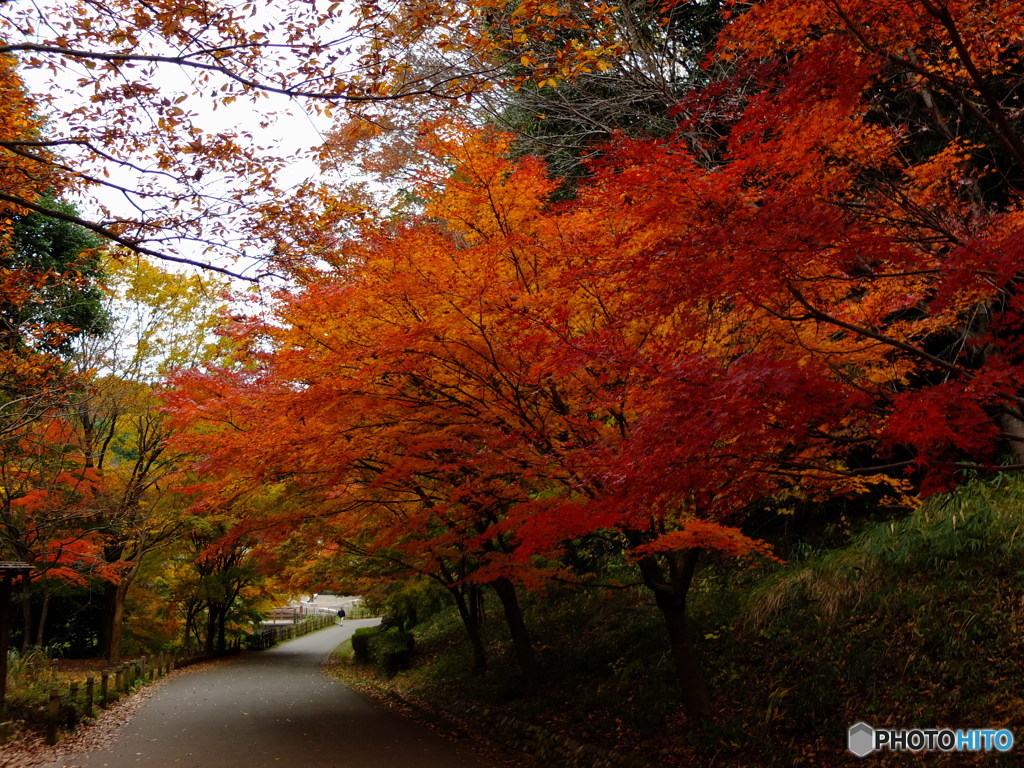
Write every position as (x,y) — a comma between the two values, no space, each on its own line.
(26,615)
(670,591)
(521,642)
(5,634)
(116,630)
(471,621)
(211,628)
(106,612)
(222,620)
(191,624)
(41,627)
(111,631)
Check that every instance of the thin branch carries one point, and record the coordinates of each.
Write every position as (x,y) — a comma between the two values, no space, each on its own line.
(432,90)
(818,314)
(120,240)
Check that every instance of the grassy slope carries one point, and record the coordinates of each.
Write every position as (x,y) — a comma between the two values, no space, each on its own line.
(915,623)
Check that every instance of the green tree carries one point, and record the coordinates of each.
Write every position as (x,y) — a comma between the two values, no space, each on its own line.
(662,48)
(70,301)
(165,320)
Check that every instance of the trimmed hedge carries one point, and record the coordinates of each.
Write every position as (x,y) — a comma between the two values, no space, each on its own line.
(392,651)
(361,644)
(388,651)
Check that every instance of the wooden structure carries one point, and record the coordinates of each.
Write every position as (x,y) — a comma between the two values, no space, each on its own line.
(8,573)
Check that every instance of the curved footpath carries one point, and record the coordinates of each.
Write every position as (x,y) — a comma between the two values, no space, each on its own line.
(273,708)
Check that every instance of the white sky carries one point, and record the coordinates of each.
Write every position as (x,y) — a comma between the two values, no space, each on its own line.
(290,132)
(284,127)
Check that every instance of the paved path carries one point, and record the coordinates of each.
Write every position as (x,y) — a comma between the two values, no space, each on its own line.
(274,708)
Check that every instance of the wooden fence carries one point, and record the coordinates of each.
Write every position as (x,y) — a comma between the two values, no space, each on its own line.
(296,613)
(269,635)
(68,707)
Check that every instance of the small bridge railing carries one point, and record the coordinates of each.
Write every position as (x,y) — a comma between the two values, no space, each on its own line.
(271,634)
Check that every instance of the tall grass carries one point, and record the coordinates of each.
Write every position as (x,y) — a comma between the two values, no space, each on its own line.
(917,622)
(981,521)
(31,669)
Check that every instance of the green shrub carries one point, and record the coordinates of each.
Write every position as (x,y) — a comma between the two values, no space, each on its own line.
(361,644)
(392,652)
(389,651)
(916,621)
(30,678)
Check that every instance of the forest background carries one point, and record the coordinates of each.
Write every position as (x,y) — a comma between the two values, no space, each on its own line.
(690,330)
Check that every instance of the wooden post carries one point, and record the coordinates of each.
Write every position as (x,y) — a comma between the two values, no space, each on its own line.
(52,712)
(90,683)
(104,688)
(74,703)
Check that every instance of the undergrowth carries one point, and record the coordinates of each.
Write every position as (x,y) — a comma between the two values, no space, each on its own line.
(30,678)
(915,623)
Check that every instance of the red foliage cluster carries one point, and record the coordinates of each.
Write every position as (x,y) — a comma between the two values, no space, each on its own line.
(819,301)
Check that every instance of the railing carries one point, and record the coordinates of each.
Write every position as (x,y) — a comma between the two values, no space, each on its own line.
(295,613)
(67,706)
(270,635)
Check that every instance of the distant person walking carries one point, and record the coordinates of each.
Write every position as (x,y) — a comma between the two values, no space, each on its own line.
(341,615)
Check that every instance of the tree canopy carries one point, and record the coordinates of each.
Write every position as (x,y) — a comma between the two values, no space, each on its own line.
(788,276)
